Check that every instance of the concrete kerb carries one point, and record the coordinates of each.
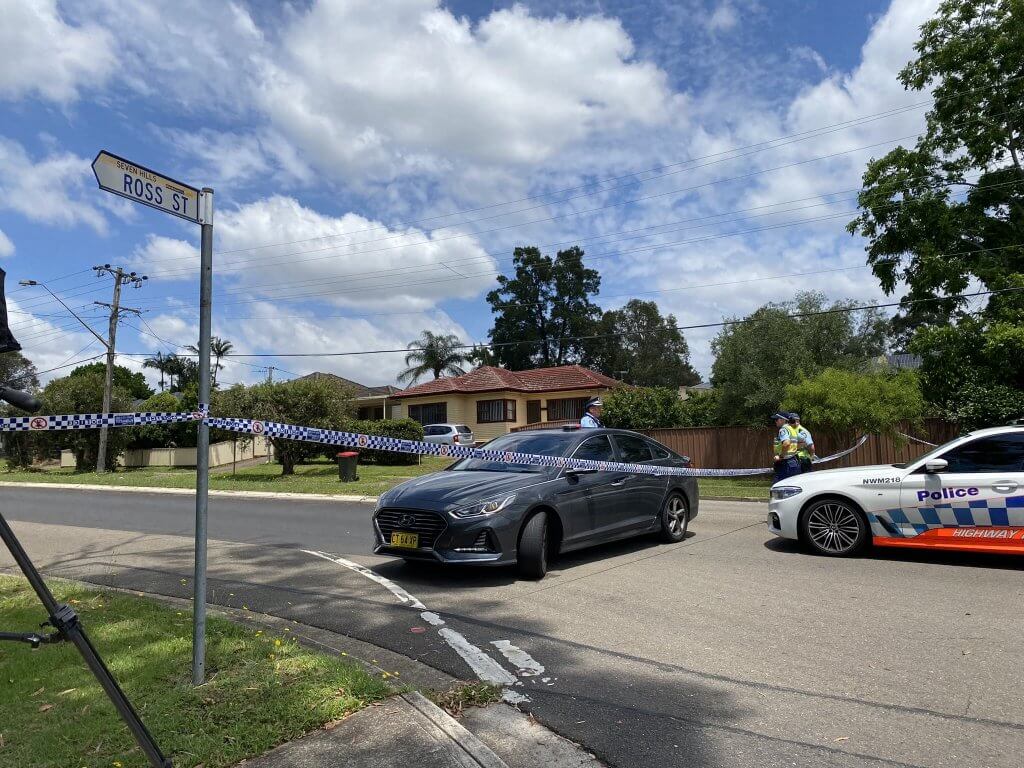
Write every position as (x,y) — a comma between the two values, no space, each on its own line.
(191,491)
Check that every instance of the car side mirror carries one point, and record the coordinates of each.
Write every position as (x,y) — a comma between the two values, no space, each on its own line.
(935,465)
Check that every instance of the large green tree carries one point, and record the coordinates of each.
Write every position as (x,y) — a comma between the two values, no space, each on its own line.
(948,214)
(756,357)
(639,346)
(321,403)
(950,210)
(82,392)
(131,382)
(540,312)
(18,372)
(433,353)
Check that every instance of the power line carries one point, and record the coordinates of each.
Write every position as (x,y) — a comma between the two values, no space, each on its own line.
(822,130)
(492,345)
(461,276)
(248,263)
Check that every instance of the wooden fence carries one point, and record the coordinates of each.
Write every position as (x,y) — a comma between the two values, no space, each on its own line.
(742,447)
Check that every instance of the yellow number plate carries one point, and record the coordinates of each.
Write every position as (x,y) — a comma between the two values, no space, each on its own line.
(410,540)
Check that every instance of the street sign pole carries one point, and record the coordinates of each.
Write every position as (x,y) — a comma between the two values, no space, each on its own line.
(203,445)
(144,185)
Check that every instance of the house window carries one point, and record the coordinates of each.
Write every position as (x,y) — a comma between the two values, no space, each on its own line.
(492,411)
(371,413)
(567,408)
(429,413)
(532,411)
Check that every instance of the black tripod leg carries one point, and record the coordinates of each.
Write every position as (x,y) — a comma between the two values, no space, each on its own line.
(65,621)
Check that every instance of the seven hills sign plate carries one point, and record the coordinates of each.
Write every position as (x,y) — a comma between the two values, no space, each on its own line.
(136,182)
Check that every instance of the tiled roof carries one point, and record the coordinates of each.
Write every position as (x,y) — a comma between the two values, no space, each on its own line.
(490,379)
(360,390)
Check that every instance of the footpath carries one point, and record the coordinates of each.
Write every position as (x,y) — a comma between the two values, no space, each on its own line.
(409,729)
(405,730)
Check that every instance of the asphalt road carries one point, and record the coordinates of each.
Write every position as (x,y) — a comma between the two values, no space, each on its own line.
(728,649)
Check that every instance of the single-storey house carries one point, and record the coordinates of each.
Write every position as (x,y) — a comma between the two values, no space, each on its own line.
(493,401)
(371,402)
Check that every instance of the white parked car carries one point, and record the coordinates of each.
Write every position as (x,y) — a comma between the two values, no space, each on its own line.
(451,434)
(965,495)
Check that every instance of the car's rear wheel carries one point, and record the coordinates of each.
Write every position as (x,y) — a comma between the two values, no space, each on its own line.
(834,527)
(675,518)
(532,559)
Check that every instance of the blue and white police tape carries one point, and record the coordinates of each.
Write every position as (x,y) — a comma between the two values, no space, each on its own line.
(359,440)
(91,421)
(397,445)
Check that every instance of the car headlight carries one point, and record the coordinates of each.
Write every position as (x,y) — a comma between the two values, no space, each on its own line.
(785,491)
(484,509)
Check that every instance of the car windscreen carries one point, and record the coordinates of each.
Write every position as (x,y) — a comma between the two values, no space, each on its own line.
(549,444)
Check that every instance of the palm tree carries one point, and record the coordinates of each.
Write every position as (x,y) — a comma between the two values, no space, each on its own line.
(219,348)
(433,353)
(174,366)
(158,363)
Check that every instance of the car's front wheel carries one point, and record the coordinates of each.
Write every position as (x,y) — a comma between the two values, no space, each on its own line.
(675,518)
(834,527)
(532,558)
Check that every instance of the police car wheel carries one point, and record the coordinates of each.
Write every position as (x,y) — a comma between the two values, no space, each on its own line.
(532,558)
(675,518)
(834,527)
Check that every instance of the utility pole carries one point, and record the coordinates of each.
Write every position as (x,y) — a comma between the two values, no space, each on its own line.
(270,374)
(120,278)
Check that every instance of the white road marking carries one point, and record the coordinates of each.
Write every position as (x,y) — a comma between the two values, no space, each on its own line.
(486,668)
(362,570)
(524,662)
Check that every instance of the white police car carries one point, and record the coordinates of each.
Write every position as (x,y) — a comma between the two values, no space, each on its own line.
(967,494)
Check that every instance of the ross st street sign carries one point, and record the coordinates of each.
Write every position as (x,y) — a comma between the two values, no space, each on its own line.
(138,183)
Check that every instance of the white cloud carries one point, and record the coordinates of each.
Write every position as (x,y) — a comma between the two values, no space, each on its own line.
(227,159)
(273,328)
(49,190)
(165,257)
(6,246)
(723,18)
(346,260)
(50,342)
(406,86)
(46,56)
(197,55)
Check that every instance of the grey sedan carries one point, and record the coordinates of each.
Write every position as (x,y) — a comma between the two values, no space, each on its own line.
(482,512)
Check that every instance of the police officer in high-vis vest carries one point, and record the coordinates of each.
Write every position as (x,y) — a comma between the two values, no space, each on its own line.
(785,448)
(805,443)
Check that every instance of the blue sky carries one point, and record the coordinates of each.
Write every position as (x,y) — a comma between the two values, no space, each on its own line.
(375,163)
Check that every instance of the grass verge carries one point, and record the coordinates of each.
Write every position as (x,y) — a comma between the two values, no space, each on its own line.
(735,487)
(317,477)
(262,689)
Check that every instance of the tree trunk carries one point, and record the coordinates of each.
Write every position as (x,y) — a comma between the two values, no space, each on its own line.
(287,462)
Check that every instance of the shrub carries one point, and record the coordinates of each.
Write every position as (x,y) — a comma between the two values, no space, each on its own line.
(643,408)
(702,409)
(403,429)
